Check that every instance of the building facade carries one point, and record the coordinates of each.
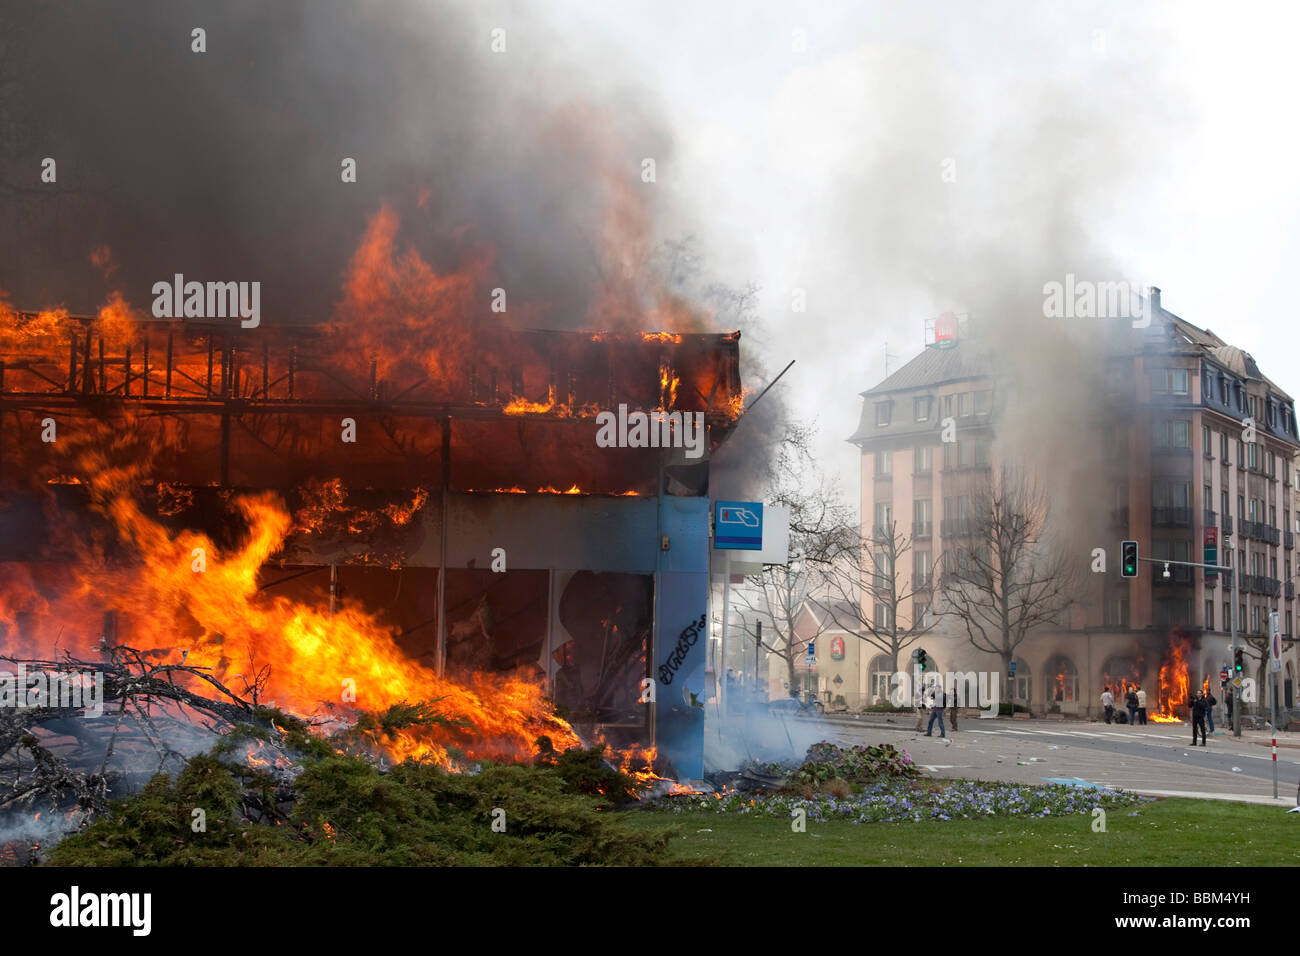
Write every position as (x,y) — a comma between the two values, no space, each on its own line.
(1197,448)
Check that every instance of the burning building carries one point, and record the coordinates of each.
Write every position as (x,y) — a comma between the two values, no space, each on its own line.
(401,508)
(1182,444)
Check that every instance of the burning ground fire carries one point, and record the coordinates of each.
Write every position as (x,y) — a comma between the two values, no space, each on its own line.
(1170,695)
(221,622)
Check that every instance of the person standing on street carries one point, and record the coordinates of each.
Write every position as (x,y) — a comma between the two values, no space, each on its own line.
(1209,709)
(952,711)
(1107,703)
(920,707)
(1131,702)
(1142,705)
(937,703)
(1197,705)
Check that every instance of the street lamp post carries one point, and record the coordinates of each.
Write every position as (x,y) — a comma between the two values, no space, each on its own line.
(1232,650)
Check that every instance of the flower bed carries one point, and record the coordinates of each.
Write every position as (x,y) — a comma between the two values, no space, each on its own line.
(898,800)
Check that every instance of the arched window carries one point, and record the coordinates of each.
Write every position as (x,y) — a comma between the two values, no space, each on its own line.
(1062,681)
(1120,673)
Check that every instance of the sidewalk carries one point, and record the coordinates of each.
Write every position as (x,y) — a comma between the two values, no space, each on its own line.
(897,721)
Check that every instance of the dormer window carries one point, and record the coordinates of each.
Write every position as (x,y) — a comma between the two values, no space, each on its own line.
(883,412)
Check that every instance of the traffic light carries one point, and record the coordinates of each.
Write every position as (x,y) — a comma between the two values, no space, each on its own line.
(1128,559)
(1237,662)
(921,659)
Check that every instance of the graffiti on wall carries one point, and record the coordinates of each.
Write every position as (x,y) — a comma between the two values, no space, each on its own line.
(685,641)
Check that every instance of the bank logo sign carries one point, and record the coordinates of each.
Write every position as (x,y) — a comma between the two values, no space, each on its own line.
(738,525)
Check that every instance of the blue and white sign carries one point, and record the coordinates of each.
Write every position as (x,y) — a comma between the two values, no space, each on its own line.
(812,653)
(738,525)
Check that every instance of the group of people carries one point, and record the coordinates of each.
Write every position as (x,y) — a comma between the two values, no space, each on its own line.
(1200,706)
(1135,701)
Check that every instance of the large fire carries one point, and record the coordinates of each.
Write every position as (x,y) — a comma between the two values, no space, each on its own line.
(1174,683)
(175,592)
(1168,700)
(181,592)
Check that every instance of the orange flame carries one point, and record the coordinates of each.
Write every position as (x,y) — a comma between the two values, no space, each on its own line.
(218,615)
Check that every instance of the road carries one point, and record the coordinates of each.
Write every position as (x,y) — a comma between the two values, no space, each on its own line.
(1155,759)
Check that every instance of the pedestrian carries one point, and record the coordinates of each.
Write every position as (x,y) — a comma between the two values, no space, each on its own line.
(920,707)
(1197,705)
(1142,705)
(1227,703)
(1209,709)
(1107,703)
(1131,702)
(952,711)
(937,702)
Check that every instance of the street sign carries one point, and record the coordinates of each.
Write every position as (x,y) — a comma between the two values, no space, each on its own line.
(738,525)
(1223,674)
(1013,667)
(1211,551)
(811,658)
(1275,643)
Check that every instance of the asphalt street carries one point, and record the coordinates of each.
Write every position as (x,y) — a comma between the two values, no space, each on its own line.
(1154,759)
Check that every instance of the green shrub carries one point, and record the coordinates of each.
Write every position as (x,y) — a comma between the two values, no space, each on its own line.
(348,812)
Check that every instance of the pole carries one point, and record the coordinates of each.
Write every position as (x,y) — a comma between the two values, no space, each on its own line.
(726,615)
(1236,696)
(758,647)
(334,586)
(1274,734)
(441,658)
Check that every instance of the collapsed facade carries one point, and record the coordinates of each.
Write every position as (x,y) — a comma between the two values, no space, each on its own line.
(1178,477)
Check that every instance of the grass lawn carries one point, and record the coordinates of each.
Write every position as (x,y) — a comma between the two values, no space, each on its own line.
(1171,832)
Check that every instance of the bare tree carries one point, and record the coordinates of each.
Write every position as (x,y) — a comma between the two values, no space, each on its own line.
(867,593)
(1003,579)
(821,530)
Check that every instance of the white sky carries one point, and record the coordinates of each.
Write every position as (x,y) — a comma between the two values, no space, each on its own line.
(762,138)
